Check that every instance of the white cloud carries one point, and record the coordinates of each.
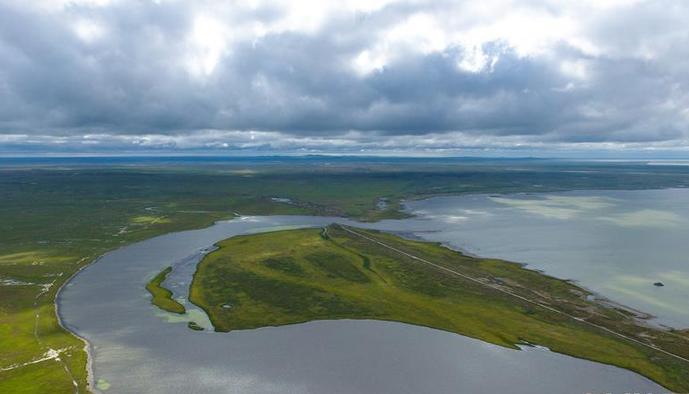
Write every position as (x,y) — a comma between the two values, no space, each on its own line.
(207,42)
(434,76)
(88,30)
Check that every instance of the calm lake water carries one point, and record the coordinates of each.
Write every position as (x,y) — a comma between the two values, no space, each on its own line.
(137,348)
(616,243)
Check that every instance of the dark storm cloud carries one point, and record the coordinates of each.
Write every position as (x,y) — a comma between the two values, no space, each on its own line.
(131,69)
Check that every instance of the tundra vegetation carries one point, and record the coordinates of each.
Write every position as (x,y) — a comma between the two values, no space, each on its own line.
(296,276)
(58,215)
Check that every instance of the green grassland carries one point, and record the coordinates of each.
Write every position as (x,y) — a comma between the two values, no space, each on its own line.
(296,276)
(57,217)
(162,297)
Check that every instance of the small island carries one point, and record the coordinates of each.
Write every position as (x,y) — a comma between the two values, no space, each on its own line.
(162,297)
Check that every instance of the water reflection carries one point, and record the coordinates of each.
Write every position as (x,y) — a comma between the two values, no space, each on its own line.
(135,350)
(616,243)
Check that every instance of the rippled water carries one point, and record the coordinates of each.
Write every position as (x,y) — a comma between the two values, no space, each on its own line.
(137,348)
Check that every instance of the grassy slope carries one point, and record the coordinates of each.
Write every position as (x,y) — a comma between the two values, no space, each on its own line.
(162,297)
(55,221)
(300,275)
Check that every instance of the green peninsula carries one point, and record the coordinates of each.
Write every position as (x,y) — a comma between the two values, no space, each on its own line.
(295,276)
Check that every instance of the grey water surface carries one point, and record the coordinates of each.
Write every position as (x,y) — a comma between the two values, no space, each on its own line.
(137,348)
(616,243)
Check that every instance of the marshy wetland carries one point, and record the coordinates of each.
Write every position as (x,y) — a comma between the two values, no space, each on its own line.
(60,215)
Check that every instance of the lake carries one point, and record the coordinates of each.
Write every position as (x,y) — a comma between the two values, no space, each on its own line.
(137,348)
(616,243)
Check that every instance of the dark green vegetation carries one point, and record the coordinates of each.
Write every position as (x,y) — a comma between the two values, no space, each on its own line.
(194,326)
(295,276)
(162,297)
(56,216)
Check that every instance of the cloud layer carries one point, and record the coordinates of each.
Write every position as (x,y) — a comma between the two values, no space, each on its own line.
(346,76)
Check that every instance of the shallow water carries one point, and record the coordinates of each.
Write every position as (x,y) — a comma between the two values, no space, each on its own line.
(137,348)
(616,243)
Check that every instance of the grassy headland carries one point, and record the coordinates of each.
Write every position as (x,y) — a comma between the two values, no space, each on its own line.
(295,276)
(162,297)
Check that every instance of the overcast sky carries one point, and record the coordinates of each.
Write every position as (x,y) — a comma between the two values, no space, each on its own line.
(362,76)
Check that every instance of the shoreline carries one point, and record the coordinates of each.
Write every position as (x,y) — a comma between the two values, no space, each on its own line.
(285,240)
(646,317)
(90,378)
(649,319)
(640,316)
